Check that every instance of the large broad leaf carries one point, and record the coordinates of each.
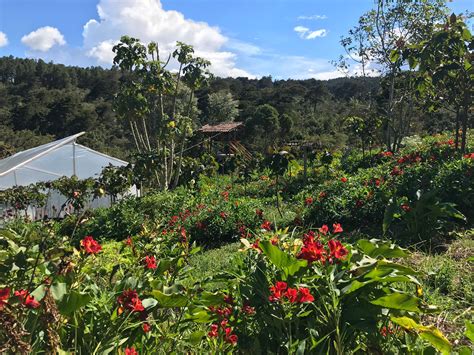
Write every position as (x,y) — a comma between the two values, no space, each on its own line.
(170,300)
(72,302)
(398,300)
(469,331)
(211,299)
(375,248)
(429,333)
(58,290)
(285,262)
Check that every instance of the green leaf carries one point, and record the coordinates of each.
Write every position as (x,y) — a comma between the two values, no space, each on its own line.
(285,262)
(170,300)
(72,302)
(429,333)
(149,303)
(58,291)
(375,248)
(465,350)
(196,337)
(398,300)
(469,330)
(211,299)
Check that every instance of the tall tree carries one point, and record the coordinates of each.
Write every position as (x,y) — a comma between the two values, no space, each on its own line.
(221,107)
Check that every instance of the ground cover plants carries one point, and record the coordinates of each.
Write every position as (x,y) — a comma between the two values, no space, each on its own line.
(144,275)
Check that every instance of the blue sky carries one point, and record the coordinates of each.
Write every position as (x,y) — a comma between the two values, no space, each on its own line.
(282,38)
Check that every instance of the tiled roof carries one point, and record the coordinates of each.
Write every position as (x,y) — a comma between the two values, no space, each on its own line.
(221,127)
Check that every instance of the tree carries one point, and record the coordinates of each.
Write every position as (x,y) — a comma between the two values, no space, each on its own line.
(221,107)
(380,32)
(446,74)
(159,106)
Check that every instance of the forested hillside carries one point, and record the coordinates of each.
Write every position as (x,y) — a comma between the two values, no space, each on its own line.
(41,101)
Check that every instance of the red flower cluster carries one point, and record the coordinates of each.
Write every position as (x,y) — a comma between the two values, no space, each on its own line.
(146,327)
(322,195)
(337,228)
(90,245)
(281,290)
(267,225)
(223,312)
(336,249)
(313,250)
(386,154)
(130,351)
(248,310)
(130,301)
(396,171)
(344,179)
(150,262)
(28,300)
(405,207)
(469,156)
(128,242)
(225,195)
(308,201)
(4,295)
(229,337)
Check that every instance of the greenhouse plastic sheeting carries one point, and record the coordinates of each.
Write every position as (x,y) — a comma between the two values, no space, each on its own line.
(53,160)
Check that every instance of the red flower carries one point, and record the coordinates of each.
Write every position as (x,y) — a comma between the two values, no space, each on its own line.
(200,225)
(232,339)
(469,156)
(405,207)
(274,240)
(214,331)
(322,195)
(256,245)
(129,299)
(336,228)
(75,194)
(146,327)
(150,262)
(229,337)
(304,295)
(4,295)
(396,171)
(292,294)
(90,245)
(243,231)
(387,154)
(183,235)
(337,250)
(324,229)
(277,291)
(266,225)
(130,351)
(308,201)
(344,179)
(228,299)
(377,182)
(128,241)
(312,251)
(223,215)
(248,310)
(28,300)
(225,195)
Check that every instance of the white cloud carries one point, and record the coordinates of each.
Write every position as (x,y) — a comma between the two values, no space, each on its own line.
(312,17)
(317,33)
(148,21)
(3,39)
(43,39)
(305,33)
(103,52)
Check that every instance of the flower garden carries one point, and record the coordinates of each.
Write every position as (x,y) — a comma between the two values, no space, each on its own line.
(368,254)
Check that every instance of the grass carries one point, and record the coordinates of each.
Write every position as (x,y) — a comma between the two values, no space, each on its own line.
(448,283)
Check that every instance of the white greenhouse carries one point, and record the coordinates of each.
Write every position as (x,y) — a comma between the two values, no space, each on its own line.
(51,161)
